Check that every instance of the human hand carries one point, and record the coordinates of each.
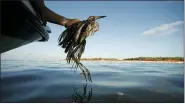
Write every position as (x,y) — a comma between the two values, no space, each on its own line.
(71,21)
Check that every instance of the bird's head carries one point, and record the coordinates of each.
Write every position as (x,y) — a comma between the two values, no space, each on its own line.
(95,17)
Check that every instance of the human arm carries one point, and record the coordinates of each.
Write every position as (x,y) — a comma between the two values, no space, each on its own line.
(50,16)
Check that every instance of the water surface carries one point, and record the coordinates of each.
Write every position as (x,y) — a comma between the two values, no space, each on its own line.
(54,81)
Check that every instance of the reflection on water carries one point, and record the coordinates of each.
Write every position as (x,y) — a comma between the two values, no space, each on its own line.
(55,82)
(81,97)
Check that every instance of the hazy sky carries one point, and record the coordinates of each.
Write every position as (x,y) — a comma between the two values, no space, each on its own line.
(131,29)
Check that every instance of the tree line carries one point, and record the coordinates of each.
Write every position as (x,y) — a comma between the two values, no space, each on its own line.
(157,59)
(141,59)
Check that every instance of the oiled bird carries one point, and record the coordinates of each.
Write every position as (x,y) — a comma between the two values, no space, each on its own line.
(73,40)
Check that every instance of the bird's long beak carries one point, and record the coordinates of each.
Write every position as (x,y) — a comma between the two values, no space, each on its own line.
(98,17)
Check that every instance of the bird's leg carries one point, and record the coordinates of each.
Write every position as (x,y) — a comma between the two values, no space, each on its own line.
(75,61)
(83,73)
(87,71)
(79,64)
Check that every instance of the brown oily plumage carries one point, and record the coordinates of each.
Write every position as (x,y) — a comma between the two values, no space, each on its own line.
(73,40)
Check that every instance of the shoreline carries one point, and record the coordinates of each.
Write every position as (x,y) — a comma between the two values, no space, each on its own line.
(170,61)
(137,61)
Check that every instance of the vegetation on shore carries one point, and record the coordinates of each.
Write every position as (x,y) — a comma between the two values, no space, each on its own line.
(139,59)
(100,59)
(157,58)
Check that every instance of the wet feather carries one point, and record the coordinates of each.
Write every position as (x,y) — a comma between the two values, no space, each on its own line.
(73,40)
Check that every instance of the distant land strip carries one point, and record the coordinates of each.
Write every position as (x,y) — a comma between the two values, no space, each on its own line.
(163,59)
